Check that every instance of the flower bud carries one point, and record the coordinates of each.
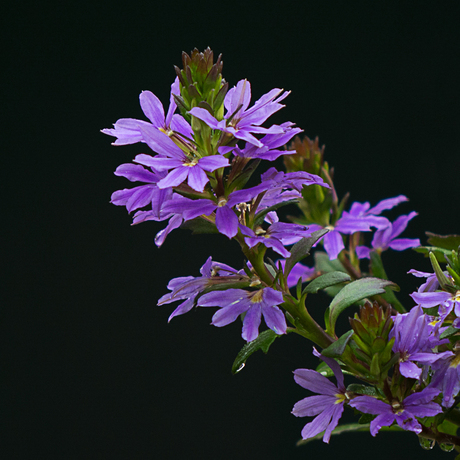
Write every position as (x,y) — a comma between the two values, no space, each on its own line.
(370,345)
(201,83)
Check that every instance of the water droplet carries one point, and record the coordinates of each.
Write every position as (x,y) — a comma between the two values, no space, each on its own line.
(446,447)
(426,443)
(240,368)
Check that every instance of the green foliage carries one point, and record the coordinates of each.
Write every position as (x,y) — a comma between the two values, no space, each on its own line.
(301,249)
(262,342)
(324,265)
(336,349)
(352,293)
(351,427)
(326,280)
(199,226)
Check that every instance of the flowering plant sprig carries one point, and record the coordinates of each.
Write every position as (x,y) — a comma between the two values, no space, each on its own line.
(196,176)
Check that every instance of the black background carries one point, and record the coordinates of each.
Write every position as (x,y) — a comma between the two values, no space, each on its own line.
(91,367)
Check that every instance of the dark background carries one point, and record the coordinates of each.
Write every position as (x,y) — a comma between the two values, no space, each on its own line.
(91,369)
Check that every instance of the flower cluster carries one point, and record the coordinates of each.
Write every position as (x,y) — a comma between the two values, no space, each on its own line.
(202,154)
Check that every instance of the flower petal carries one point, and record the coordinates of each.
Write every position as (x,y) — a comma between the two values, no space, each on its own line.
(274,319)
(226,221)
(152,108)
(251,323)
(314,381)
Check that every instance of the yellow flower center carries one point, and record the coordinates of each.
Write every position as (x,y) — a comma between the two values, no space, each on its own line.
(192,163)
(257,296)
(397,407)
(221,202)
(455,362)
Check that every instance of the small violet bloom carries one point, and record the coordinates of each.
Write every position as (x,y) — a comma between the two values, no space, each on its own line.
(360,218)
(276,236)
(188,287)
(415,338)
(183,168)
(372,215)
(298,271)
(234,302)
(446,301)
(240,121)
(446,377)
(128,130)
(387,238)
(327,405)
(404,412)
(141,196)
(271,143)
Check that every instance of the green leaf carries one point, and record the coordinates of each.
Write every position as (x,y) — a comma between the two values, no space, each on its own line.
(301,249)
(325,265)
(352,293)
(451,242)
(448,332)
(336,349)
(448,427)
(366,418)
(438,252)
(262,342)
(200,225)
(362,389)
(338,430)
(444,282)
(324,369)
(347,428)
(326,280)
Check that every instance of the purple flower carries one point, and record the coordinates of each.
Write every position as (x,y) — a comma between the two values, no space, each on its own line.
(270,142)
(333,240)
(404,412)
(141,196)
(225,219)
(240,121)
(234,302)
(428,295)
(175,221)
(188,287)
(431,283)
(360,218)
(278,180)
(327,405)
(387,238)
(371,215)
(276,236)
(298,271)
(446,377)
(183,168)
(415,337)
(446,301)
(128,130)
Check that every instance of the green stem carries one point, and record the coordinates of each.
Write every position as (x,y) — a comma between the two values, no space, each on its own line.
(257,260)
(441,438)
(453,416)
(311,329)
(349,266)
